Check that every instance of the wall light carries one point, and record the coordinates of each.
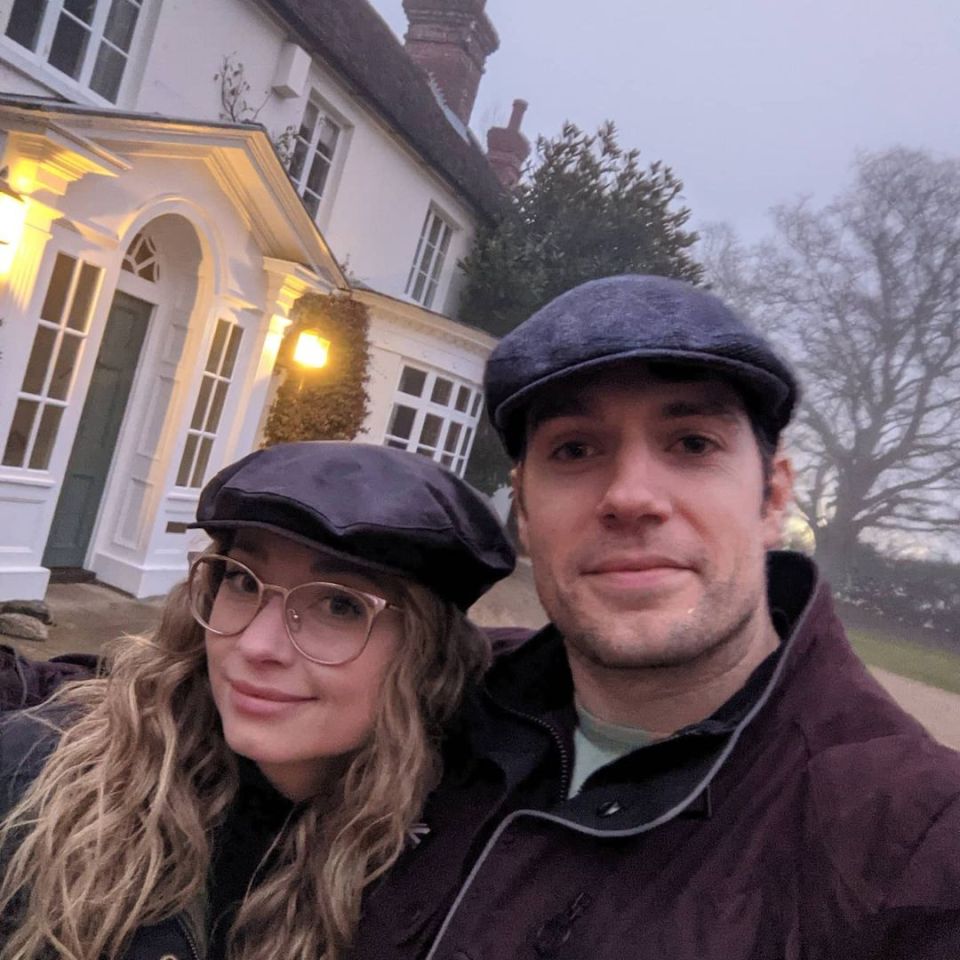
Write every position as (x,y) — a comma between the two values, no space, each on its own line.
(13,214)
(311,350)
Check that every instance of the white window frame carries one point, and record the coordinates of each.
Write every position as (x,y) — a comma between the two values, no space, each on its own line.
(426,271)
(50,18)
(453,437)
(66,329)
(207,415)
(310,143)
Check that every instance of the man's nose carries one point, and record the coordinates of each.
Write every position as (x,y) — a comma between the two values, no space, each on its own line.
(265,637)
(636,489)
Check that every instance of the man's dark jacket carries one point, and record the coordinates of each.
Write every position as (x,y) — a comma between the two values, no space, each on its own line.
(808,818)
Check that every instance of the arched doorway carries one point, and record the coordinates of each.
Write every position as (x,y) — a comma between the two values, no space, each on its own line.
(156,287)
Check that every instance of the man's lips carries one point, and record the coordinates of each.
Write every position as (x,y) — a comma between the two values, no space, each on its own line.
(634,564)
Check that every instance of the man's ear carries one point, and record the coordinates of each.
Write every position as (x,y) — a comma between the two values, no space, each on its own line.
(779,496)
(516,481)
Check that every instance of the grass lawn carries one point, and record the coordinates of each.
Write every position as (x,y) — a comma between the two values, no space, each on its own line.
(939,668)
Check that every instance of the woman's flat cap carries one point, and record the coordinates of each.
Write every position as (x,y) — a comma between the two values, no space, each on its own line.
(388,509)
(626,318)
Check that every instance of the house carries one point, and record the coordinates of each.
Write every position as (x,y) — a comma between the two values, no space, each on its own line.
(175,175)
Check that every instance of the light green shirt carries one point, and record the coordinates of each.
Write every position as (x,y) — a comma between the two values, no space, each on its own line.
(597,743)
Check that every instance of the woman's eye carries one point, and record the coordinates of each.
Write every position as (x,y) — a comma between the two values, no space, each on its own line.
(343,606)
(239,581)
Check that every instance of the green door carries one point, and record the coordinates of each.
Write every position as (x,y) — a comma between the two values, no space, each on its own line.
(96,438)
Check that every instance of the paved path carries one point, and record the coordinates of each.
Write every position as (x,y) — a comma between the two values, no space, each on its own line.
(89,614)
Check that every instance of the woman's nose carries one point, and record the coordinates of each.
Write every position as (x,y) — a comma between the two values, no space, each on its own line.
(265,637)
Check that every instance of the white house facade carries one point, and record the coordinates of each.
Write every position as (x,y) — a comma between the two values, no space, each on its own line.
(174,175)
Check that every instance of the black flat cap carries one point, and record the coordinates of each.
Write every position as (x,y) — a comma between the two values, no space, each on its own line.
(389,509)
(633,317)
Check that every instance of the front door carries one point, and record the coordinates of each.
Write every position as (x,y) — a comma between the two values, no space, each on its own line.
(96,438)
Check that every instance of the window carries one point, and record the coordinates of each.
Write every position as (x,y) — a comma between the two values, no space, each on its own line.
(54,357)
(211,400)
(88,40)
(141,259)
(434,415)
(313,150)
(428,262)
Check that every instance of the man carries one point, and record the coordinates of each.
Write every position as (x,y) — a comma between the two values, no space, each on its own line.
(689,761)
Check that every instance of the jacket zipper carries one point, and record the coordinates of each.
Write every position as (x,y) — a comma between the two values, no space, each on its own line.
(188,936)
(554,735)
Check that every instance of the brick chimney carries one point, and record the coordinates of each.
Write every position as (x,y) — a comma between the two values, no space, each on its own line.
(451,40)
(508,148)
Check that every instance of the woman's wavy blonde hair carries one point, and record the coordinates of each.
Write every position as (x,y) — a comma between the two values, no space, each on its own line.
(116,831)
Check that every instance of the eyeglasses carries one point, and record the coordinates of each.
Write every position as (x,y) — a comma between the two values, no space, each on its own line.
(326,622)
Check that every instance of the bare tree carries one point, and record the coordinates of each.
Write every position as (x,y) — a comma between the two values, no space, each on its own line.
(864,295)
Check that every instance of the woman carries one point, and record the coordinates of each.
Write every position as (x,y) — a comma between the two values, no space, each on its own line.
(238,780)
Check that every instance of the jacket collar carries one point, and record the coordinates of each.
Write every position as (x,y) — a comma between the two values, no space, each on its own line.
(533,685)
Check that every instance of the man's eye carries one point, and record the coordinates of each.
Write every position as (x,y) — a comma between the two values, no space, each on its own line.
(572,450)
(695,444)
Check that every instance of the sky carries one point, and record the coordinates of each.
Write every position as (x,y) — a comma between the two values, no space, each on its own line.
(752,102)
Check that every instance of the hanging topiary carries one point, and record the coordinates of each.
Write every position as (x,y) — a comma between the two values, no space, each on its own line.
(330,402)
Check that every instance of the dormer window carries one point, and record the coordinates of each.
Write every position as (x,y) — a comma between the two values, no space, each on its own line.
(313,155)
(88,40)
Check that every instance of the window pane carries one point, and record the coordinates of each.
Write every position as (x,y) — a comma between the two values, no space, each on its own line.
(431,291)
(203,400)
(120,24)
(430,432)
(401,421)
(397,444)
(309,122)
(216,408)
(447,459)
(16,448)
(203,458)
(318,174)
(216,348)
(66,362)
(476,406)
(233,346)
(39,361)
(81,9)
(186,462)
(442,389)
(463,399)
(46,435)
(58,289)
(312,202)
(24,23)
(299,159)
(81,307)
(465,446)
(108,72)
(453,435)
(412,381)
(327,138)
(69,46)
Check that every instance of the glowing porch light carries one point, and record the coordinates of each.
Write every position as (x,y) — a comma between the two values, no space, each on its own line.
(13,215)
(312,350)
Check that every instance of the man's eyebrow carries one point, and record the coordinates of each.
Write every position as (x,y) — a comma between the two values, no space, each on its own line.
(700,408)
(555,407)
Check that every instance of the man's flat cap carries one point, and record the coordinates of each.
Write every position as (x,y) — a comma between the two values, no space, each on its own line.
(387,509)
(634,318)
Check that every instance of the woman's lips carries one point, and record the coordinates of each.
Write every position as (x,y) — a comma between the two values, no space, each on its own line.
(262,701)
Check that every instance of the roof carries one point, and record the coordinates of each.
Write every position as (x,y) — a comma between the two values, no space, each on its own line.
(351,37)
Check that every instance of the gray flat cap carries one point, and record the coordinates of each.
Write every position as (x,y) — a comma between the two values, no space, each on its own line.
(634,318)
(391,510)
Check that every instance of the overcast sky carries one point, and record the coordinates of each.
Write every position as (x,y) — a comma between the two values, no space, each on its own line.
(753,102)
